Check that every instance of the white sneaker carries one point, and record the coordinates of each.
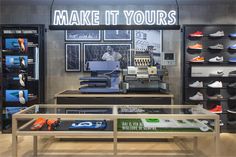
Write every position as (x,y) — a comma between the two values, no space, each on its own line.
(197,84)
(21,97)
(216,84)
(216,59)
(197,96)
(217,34)
(21,80)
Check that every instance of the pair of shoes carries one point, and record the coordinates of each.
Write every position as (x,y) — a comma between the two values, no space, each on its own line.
(216,84)
(217,109)
(215,97)
(197,96)
(197,84)
(40,122)
(216,59)
(217,34)
(216,47)
(200,34)
(197,59)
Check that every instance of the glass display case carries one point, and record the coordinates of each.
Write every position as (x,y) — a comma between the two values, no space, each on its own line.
(116,122)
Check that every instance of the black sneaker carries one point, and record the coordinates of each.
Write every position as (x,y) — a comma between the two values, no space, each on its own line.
(232,85)
(232,73)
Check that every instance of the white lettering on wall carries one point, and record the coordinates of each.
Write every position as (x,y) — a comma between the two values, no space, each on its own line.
(128,16)
(92,17)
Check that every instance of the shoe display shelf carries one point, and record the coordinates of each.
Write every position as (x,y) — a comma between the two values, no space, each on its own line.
(202,70)
(22,65)
(116,122)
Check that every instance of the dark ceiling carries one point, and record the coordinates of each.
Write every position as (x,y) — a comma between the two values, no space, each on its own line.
(110,2)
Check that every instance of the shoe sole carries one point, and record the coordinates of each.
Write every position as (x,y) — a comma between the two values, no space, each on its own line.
(195,48)
(234,112)
(196,61)
(196,35)
(216,112)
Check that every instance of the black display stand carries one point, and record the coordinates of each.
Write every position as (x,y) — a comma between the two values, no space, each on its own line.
(207,53)
(33,72)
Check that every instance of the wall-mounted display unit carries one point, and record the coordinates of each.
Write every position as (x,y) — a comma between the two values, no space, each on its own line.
(22,69)
(209,70)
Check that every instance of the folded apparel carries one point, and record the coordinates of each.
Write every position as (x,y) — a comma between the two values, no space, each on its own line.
(88,125)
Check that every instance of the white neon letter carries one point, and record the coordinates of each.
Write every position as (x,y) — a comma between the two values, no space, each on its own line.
(74,18)
(138,17)
(107,17)
(114,16)
(60,17)
(84,16)
(162,15)
(150,17)
(95,17)
(128,16)
(172,17)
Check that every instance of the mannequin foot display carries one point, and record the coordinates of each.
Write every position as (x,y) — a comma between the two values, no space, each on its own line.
(22,80)
(21,97)
(21,43)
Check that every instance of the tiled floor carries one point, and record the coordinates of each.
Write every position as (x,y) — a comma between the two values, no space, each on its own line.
(80,148)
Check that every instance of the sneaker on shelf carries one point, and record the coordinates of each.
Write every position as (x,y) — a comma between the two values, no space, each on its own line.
(232,35)
(197,84)
(22,45)
(217,34)
(197,96)
(233,59)
(232,111)
(232,73)
(216,97)
(197,59)
(232,98)
(216,84)
(217,73)
(217,109)
(196,34)
(216,59)
(196,47)
(233,47)
(22,79)
(217,47)
(21,97)
(232,85)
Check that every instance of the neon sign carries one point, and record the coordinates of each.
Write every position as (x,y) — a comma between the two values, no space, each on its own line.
(112,17)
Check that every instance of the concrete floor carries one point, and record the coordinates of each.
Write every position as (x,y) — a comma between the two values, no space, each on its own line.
(54,147)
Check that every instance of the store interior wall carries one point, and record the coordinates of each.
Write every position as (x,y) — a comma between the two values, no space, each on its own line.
(58,80)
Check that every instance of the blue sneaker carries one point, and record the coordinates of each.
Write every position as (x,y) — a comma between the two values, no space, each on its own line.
(232,35)
(233,47)
(233,59)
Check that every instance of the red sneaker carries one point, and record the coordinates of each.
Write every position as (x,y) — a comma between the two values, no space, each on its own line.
(217,109)
(38,124)
(22,44)
(196,34)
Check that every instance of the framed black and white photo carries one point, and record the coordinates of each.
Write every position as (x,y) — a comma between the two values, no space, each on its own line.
(83,35)
(149,40)
(73,57)
(107,52)
(119,35)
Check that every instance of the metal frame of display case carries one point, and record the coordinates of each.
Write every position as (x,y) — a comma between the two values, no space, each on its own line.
(114,116)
